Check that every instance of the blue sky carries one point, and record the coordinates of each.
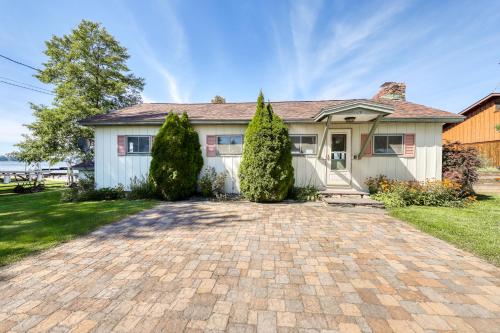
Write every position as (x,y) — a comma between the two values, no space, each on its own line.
(447,52)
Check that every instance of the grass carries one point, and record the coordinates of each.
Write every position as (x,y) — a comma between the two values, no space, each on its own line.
(30,223)
(50,184)
(475,228)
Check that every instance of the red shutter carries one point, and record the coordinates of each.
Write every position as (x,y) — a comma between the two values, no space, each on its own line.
(368,148)
(409,145)
(122,149)
(211,148)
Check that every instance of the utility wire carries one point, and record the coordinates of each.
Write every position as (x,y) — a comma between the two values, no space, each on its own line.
(20,63)
(28,88)
(25,84)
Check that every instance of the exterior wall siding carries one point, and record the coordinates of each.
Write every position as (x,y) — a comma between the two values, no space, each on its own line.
(479,130)
(478,127)
(111,169)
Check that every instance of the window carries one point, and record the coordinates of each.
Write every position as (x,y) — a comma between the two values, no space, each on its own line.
(138,144)
(229,144)
(339,152)
(303,144)
(388,144)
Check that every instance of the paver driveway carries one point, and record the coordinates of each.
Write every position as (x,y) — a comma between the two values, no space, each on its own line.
(247,267)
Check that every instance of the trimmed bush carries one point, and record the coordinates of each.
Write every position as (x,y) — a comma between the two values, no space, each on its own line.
(266,171)
(176,158)
(460,164)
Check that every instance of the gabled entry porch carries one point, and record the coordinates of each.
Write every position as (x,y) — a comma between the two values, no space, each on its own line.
(336,147)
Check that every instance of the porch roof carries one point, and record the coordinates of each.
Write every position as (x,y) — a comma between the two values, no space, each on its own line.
(361,111)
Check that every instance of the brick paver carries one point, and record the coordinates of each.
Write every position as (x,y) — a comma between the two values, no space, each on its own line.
(243,267)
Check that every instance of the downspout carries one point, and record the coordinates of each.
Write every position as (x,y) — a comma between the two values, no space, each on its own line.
(370,135)
(323,139)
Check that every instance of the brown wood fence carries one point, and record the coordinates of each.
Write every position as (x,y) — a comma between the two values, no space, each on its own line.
(490,150)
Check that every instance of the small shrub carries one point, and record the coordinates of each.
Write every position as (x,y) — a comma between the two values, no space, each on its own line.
(219,184)
(141,188)
(206,180)
(460,164)
(25,189)
(374,183)
(212,183)
(84,191)
(305,193)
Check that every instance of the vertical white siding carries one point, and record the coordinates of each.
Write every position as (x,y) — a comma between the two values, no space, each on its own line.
(111,169)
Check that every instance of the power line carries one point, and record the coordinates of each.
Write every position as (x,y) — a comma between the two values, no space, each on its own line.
(19,86)
(25,84)
(20,63)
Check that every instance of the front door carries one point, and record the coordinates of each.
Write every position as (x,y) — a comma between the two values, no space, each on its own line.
(339,158)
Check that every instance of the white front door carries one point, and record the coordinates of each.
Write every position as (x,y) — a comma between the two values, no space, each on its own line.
(339,158)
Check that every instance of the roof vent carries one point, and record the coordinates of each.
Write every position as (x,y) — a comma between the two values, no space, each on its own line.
(392,90)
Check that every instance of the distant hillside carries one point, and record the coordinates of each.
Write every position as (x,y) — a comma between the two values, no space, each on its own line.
(4,158)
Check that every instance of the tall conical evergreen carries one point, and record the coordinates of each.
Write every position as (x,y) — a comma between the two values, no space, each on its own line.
(176,158)
(266,171)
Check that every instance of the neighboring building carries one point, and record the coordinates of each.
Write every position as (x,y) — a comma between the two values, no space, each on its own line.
(479,129)
(336,143)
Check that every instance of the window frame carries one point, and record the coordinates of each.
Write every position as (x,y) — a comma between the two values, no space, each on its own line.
(387,145)
(138,136)
(300,153)
(228,135)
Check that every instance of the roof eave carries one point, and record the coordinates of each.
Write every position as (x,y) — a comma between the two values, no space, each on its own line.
(425,120)
(481,101)
(246,121)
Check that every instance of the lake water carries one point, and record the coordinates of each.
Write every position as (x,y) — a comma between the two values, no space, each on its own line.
(20,166)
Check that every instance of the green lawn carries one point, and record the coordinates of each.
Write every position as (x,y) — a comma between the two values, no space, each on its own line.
(475,228)
(33,222)
(50,184)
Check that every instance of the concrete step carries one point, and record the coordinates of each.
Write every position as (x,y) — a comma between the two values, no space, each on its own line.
(352,202)
(343,193)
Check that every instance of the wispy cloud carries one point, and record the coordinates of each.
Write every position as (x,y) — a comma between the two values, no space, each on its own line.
(329,59)
(178,57)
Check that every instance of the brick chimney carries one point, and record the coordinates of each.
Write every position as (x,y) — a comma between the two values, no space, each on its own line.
(392,90)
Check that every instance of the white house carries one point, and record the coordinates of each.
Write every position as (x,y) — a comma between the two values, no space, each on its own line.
(336,143)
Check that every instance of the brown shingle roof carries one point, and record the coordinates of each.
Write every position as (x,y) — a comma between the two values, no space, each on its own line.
(290,111)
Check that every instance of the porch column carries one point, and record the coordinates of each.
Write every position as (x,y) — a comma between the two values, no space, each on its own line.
(370,134)
(323,139)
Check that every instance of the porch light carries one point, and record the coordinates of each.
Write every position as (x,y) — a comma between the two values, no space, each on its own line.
(349,119)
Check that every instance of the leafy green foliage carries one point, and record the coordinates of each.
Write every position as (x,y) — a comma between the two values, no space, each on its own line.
(176,158)
(266,171)
(212,183)
(23,189)
(304,193)
(88,70)
(141,188)
(218,100)
(84,190)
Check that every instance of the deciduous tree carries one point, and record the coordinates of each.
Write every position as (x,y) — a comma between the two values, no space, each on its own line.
(88,70)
